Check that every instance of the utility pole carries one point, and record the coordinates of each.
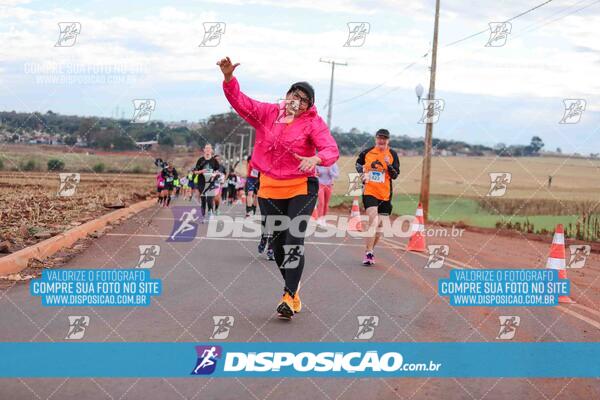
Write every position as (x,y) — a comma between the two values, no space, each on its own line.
(250,143)
(333,64)
(426,171)
(228,153)
(242,135)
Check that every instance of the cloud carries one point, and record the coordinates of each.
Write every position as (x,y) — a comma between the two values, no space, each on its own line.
(12,3)
(168,43)
(544,57)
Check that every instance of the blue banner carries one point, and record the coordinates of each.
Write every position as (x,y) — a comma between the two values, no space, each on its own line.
(95,287)
(503,287)
(271,360)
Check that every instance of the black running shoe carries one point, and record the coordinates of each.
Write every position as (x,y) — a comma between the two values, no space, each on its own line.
(262,244)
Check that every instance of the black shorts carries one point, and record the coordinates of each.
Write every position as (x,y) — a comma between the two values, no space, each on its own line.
(384,207)
(251,185)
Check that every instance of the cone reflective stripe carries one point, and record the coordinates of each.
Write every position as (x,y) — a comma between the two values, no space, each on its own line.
(354,222)
(355,211)
(556,258)
(417,238)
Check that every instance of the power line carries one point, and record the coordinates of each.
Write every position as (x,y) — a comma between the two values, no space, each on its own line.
(381,84)
(467,37)
(447,45)
(527,31)
(528,11)
(561,17)
(508,20)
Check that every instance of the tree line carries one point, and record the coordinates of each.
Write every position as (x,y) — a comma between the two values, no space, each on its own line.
(120,134)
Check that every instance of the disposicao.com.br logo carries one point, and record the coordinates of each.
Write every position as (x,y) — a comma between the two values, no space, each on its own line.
(312,363)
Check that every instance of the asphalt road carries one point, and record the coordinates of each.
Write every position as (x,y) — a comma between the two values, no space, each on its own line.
(226,277)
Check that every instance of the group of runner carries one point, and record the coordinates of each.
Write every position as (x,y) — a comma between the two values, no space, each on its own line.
(166,181)
(209,179)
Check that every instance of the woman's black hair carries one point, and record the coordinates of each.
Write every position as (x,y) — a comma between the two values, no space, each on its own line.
(306,88)
(160,163)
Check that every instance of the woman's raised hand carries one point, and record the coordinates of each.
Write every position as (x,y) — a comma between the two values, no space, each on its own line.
(227,68)
(307,163)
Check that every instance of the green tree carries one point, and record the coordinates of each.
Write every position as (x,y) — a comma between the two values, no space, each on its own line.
(54,164)
(536,144)
(30,165)
(70,140)
(99,168)
(166,140)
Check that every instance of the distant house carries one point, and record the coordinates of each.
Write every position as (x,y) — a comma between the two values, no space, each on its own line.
(43,138)
(147,145)
(184,123)
(55,140)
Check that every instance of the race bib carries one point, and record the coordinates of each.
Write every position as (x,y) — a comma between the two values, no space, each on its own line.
(376,176)
(254,173)
(169,179)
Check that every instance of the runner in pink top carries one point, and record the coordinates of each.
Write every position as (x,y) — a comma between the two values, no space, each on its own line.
(280,146)
(291,140)
(160,186)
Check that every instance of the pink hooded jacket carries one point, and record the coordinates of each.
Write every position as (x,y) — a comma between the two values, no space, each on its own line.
(276,142)
(160,181)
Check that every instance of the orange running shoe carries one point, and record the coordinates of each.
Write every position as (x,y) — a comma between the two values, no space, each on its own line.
(296,303)
(285,309)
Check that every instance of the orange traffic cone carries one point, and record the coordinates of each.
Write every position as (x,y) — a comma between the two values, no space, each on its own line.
(556,259)
(417,238)
(354,223)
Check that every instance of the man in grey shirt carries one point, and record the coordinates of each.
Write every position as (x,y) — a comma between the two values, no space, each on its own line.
(327,176)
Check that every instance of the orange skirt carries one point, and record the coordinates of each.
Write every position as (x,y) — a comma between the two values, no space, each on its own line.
(271,188)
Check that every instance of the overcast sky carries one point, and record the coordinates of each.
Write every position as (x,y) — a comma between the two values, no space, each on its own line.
(492,94)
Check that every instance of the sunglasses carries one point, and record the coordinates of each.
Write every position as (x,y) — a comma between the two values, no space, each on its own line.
(303,100)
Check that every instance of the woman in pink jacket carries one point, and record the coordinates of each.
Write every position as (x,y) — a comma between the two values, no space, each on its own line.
(291,140)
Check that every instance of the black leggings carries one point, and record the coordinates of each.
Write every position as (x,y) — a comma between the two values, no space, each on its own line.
(298,206)
(231,193)
(207,201)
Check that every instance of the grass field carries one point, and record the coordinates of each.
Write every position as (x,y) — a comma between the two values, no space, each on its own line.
(467,211)
(464,177)
(16,157)
(32,211)
(458,184)
(572,179)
